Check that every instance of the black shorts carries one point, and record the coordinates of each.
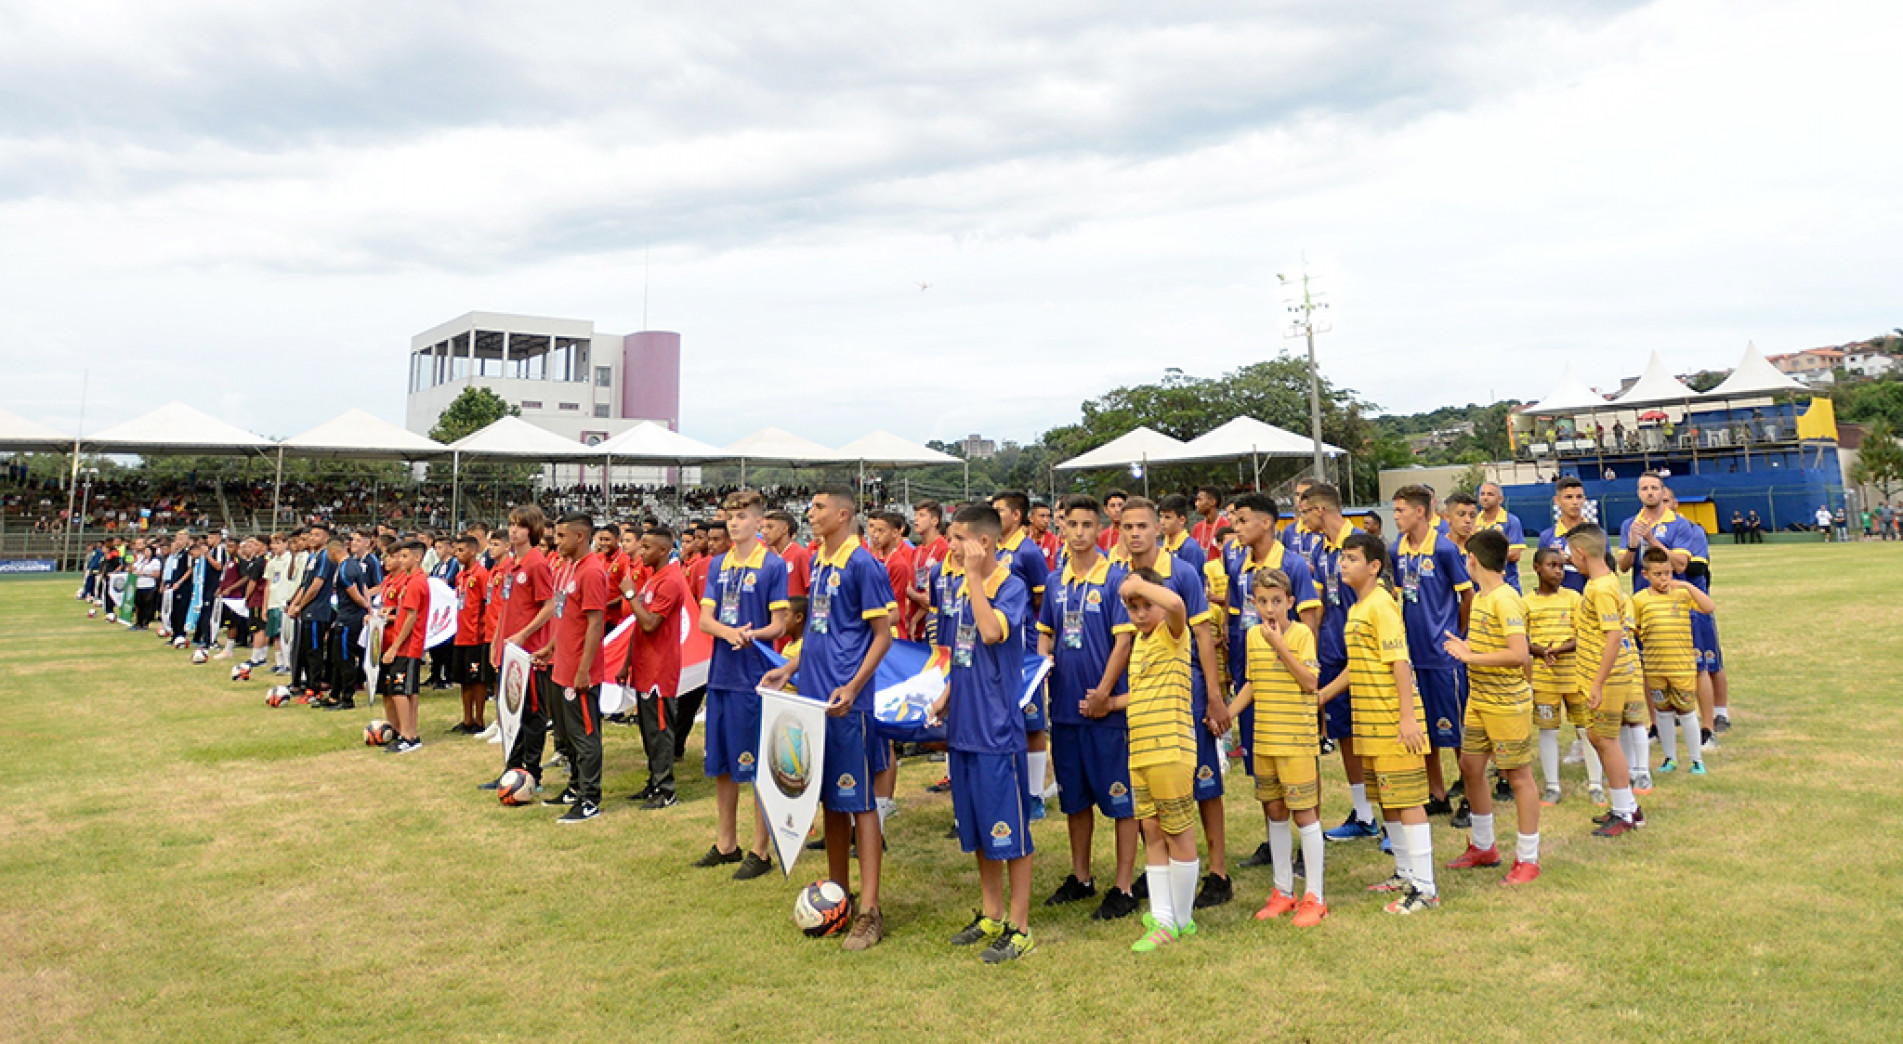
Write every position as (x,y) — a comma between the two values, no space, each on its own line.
(469,665)
(399,677)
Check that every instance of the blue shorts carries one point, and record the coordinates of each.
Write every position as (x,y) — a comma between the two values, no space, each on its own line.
(1037,716)
(854,754)
(733,731)
(1711,658)
(1337,716)
(1092,766)
(989,799)
(1244,731)
(1444,695)
(1208,774)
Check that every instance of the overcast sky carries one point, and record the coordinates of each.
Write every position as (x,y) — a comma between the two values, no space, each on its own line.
(252,207)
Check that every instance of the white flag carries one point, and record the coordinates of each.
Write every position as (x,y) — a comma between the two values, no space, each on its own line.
(792,762)
(512,694)
(372,641)
(441,624)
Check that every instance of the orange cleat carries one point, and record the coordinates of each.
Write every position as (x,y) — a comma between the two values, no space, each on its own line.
(1521,873)
(1474,857)
(1310,913)
(1279,903)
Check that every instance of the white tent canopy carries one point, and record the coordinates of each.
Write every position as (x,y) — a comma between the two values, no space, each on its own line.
(1244,437)
(19,435)
(651,443)
(1655,386)
(175,428)
(517,438)
(774,444)
(1755,376)
(358,435)
(1571,395)
(1138,446)
(884,449)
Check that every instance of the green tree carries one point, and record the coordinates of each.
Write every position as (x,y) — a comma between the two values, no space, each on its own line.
(473,410)
(1879,461)
(1469,481)
(1706,380)
(1870,401)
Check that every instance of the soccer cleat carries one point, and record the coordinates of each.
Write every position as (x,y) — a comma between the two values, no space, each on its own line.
(1328,746)
(491,785)
(566,797)
(1463,816)
(1698,768)
(981,929)
(1476,857)
(1551,797)
(818,844)
(1652,735)
(1502,790)
(715,857)
(867,929)
(1352,829)
(1638,816)
(1438,806)
(751,867)
(1155,939)
(1642,783)
(1413,901)
(1009,946)
(1721,724)
(643,794)
(1140,888)
(1117,904)
(1215,892)
(941,787)
(1396,883)
(1615,826)
(1262,856)
(405,745)
(1279,903)
(658,801)
(1310,913)
(1521,873)
(579,812)
(1037,807)
(1671,765)
(1071,891)
(1596,792)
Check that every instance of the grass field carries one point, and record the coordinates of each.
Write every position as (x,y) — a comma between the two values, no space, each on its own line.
(179,862)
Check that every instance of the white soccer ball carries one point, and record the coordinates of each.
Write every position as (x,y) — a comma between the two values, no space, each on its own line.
(180,642)
(200,656)
(241,672)
(92,612)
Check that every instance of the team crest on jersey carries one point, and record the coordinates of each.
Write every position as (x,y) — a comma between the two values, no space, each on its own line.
(1001,831)
(846,782)
(1205,773)
(1427,567)
(746,759)
(747,580)
(832,580)
(522,577)
(1117,790)
(1444,725)
(1095,597)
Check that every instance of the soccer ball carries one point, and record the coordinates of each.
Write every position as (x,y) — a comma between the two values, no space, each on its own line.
(276,698)
(378,733)
(516,787)
(180,642)
(821,909)
(200,656)
(241,672)
(92,611)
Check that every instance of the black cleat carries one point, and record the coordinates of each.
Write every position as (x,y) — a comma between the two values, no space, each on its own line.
(1215,892)
(1260,857)
(1071,891)
(751,867)
(1439,806)
(1116,904)
(715,857)
(566,797)
(1463,816)
(658,801)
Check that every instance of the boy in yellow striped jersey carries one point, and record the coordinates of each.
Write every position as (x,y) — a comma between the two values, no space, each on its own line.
(1608,674)
(1549,635)
(1663,614)
(1499,718)
(1280,681)
(1162,754)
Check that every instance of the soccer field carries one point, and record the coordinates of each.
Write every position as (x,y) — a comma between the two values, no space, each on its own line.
(179,862)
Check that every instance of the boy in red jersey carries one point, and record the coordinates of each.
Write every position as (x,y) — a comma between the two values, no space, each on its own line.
(406,605)
(572,648)
(470,651)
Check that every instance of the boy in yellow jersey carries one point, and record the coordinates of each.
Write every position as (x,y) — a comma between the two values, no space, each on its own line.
(1162,754)
(1279,681)
(1608,673)
(1549,637)
(1663,612)
(1389,722)
(1499,719)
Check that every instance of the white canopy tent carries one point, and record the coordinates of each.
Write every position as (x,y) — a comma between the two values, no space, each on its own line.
(1755,376)
(780,447)
(176,429)
(651,443)
(1245,437)
(354,435)
(1570,395)
(19,435)
(882,449)
(1655,386)
(509,438)
(1136,447)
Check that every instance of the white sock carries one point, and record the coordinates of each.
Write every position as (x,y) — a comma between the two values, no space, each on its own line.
(1161,910)
(1638,750)
(1549,756)
(1420,845)
(1313,844)
(1282,855)
(1623,803)
(1527,849)
(1036,761)
(884,807)
(1694,745)
(1668,738)
(1721,713)
(1397,843)
(1483,830)
(1358,792)
(1595,769)
(1183,878)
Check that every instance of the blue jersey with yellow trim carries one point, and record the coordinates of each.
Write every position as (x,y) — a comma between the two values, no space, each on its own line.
(1677,533)
(1429,580)
(1509,526)
(982,714)
(1081,613)
(1026,559)
(851,594)
(1241,609)
(1331,645)
(744,591)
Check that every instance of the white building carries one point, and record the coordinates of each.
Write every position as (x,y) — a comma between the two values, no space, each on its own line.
(1869,362)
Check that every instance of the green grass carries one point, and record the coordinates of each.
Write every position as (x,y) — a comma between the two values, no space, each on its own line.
(180,862)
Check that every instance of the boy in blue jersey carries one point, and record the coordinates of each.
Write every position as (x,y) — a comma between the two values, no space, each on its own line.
(1253,516)
(1713,689)
(1026,559)
(1494,515)
(1436,595)
(985,733)
(1142,529)
(1331,653)
(743,607)
(847,634)
(1173,511)
(1090,743)
(1297,534)
(1569,497)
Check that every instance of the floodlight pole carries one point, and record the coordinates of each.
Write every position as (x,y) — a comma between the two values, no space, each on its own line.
(1304,325)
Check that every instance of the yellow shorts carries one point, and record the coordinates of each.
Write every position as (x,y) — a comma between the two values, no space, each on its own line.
(1624,704)
(1506,736)
(1547,713)
(1294,781)
(1166,793)
(1675,692)
(1396,781)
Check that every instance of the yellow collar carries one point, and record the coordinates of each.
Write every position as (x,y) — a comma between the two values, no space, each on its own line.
(1012,542)
(1097,575)
(838,560)
(754,560)
(1432,536)
(992,582)
(1274,559)
(1177,546)
(1560,528)
(1334,543)
(1488,523)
